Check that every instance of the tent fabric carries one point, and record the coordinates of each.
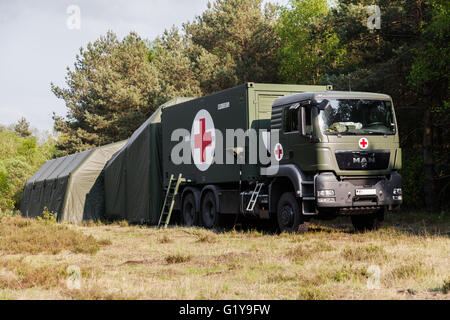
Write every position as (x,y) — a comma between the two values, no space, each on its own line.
(115,176)
(133,176)
(84,184)
(69,186)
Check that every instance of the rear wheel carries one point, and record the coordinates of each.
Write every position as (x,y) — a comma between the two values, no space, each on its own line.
(288,213)
(366,222)
(210,214)
(190,216)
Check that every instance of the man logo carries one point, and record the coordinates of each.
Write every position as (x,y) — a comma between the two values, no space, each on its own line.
(203,142)
(364,161)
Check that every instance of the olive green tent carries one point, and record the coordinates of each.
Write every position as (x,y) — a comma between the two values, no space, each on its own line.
(133,176)
(70,186)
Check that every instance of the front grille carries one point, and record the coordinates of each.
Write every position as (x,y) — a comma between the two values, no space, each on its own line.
(363,160)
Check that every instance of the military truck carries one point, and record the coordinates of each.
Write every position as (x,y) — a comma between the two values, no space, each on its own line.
(331,154)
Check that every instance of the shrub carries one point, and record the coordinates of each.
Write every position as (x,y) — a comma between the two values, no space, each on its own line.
(177,258)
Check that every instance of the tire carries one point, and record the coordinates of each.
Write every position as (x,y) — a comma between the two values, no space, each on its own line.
(189,212)
(289,216)
(367,222)
(210,215)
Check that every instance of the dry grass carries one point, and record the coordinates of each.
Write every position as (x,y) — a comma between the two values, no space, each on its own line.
(409,257)
(165,239)
(20,235)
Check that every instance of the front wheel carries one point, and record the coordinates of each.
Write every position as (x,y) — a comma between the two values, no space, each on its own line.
(288,213)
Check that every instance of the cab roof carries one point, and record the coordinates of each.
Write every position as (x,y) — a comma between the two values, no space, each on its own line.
(329,95)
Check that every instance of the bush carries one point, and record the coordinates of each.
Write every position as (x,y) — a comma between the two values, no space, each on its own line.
(412,179)
(20,158)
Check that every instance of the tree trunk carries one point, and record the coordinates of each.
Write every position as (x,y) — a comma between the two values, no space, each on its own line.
(430,202)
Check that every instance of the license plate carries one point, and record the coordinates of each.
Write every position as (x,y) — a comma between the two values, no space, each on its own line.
(366,192)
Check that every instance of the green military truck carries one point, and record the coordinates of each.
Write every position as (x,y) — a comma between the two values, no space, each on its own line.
(283,152)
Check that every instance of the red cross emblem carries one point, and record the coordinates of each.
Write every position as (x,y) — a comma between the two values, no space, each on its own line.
(278,152)
(363,143)
(202,140)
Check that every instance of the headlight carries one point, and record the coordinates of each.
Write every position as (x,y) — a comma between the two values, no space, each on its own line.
(397,191)
(398,198)
(325,193)
(326,200)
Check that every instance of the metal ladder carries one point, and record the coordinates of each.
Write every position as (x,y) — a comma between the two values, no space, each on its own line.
(308,198)
(254,197)
(169,200)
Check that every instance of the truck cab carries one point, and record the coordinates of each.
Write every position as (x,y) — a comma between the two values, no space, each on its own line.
(338,154)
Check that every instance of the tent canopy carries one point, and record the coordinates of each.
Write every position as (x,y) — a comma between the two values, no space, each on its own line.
(70,186)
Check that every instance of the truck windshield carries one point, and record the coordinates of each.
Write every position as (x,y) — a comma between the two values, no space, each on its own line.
(357,117)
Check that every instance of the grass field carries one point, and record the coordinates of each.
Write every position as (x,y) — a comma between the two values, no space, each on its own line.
(408,258)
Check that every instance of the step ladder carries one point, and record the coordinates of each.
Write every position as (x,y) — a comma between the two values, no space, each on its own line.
(169,200)
(254,197)
(308,198)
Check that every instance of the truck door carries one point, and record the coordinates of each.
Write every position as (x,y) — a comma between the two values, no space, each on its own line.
(298,149)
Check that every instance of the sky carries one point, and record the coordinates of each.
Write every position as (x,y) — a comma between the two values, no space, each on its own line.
(39,40)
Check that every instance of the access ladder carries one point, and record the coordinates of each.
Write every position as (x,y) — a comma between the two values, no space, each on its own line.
(169,200)
(254,197)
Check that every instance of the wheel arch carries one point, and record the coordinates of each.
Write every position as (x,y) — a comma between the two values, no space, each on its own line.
(277,187)
(288,177)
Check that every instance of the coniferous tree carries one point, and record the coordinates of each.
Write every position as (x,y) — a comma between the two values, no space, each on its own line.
(22,128)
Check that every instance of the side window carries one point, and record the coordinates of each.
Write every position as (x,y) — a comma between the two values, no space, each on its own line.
(291,118)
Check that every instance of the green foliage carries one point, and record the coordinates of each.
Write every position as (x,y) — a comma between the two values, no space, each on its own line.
(20,157)
(233,42)
(47,217)
(22,128)
(174,68)
(412,179)
(431,63)
(310,46)
(111,91)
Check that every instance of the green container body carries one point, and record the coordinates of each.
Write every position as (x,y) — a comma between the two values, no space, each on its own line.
(250,106)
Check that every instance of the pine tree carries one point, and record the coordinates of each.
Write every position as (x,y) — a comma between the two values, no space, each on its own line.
(111,90)
(22,128)
(233,42)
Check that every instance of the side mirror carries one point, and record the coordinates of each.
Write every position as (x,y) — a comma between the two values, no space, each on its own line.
(323,105)
(302,114)
(302,121)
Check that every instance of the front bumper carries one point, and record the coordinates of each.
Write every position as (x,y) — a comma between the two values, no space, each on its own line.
(345,191)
